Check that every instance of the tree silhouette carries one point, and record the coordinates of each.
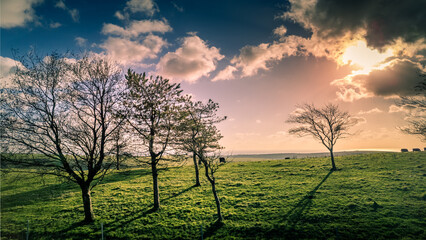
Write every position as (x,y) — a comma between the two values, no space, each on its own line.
(327,124)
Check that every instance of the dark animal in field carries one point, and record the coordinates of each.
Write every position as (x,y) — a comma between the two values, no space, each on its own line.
(416,150)
(404,150)
(222,160)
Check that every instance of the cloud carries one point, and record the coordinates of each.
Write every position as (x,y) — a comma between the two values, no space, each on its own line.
(8,67)
(280,31)
(148,7)
(73,12)
(16,13)
(358,120)
(119,15)
(180,9)
(191,61)
(134,43)
(55,25)
(371,111)
(381,22)
(136,28)
(397,77)
(81,41)
(133,52)
(253,58)
(225,74)
(395,109)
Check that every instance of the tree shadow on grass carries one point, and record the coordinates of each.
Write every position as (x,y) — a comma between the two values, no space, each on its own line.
(125,175)
(212,229)
(179,193)
(293,216)
(132,216)
(46,193)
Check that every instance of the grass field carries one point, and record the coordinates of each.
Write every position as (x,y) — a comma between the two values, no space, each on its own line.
(265,199)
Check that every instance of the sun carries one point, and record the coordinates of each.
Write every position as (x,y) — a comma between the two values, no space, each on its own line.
(362,56)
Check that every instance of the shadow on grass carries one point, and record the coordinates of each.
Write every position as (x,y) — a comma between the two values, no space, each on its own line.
(40,194)
(179,193)
(294,215)
(118,176)
(212,229)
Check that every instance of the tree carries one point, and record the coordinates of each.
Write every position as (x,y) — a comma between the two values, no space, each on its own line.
(60,119)
(327,124)
(197,116)
(121,142)
(200,137)
(417,106)
(207,145)
(154,106)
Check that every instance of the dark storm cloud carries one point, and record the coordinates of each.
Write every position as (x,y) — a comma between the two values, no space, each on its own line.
(382,20)
(400,77)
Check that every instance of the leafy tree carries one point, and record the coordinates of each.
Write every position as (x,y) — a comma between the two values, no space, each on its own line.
(206,150)
(327,124)
(59,119)
(154,106)
(417,116)
(200,137)
(197,116)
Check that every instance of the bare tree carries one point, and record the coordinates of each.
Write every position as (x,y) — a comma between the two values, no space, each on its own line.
(60,119)
(154,106)
(417,111)
(327,124)
(197,116)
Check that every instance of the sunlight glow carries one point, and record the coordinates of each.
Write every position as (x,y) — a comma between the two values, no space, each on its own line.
(364,57)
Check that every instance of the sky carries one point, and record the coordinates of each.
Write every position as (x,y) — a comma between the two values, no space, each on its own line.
(258,59)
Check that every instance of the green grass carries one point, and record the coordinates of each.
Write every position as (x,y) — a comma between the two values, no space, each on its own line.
(282,199)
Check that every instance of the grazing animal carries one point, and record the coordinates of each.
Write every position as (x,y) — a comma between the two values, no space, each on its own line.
(416,150)
(222,160)
(404,150)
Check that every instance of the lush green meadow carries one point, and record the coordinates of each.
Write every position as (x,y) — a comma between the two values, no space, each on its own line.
(281,199)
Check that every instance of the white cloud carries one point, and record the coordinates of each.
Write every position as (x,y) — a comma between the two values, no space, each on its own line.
(133,52)
(81,41)
(226,74)
(374,110)
(55,25)
(8,67)
(72,12)
(136,28)
(16,13)
(191,61)
(145,6)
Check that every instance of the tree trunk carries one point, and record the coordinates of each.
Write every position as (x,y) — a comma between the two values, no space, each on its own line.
(197,173)
(216,198)
(155,185)
(333,165)
(89,216)
(213,183)
(118,158)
